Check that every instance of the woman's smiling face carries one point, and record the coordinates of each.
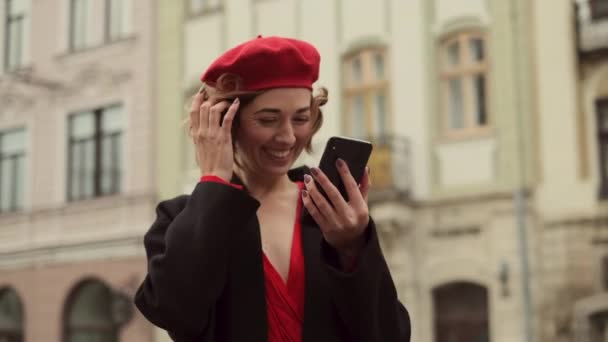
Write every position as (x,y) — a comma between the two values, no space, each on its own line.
(273,130)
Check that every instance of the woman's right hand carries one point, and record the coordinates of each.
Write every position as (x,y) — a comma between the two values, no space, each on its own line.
(213,141)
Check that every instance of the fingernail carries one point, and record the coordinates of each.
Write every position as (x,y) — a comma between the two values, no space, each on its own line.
(236,101)
(340,163)
(307,179)
(304,193)
(314,171)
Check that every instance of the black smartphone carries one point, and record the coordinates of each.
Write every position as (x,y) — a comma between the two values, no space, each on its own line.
(354,152)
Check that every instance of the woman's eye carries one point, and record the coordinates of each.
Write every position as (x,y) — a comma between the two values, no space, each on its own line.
(303,119)
(266,121)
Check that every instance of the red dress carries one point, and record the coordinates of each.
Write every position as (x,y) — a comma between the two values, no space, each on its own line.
(285,302)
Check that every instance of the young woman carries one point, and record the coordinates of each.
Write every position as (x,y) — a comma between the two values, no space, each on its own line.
(255,252)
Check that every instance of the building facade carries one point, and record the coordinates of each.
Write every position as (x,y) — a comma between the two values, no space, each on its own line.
(77,169)
(488,167)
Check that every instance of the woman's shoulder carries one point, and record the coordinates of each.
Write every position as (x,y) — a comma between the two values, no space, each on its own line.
(173,206)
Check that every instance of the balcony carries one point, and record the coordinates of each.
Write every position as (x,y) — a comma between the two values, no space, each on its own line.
(390,169)
(592,27)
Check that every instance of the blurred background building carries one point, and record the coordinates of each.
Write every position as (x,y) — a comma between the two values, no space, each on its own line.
(490,165)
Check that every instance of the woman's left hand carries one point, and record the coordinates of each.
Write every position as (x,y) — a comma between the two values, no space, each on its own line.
(342,222)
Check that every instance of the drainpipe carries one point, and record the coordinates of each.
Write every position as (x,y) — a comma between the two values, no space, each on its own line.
(519,192)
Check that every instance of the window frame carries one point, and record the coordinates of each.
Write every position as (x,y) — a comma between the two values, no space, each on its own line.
(10,19)
(97,138)
(367,87)
(465,71)
(14,206)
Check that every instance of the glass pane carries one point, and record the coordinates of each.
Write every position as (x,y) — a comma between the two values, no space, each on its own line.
(13,142)
(358,117)
(75,170)
(481,117)
(6,182)
(11,315)
(111,119)
(83,160)
(80,9)
(89,169)
(91,306)
(115,20)
(82,126)
(379,66)
(356,70)
(456,118)
(111,164)
(15,43)
(476,49)
(453,54)
(380,114)
(19,182)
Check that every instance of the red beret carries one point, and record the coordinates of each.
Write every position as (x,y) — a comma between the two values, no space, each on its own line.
(268,62)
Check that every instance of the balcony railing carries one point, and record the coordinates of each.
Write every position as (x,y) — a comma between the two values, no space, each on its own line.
(592,26)
(390,165)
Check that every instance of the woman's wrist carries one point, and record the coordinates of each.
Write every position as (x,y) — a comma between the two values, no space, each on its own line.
(349,254)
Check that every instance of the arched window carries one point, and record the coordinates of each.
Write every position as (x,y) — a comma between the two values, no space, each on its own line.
(461,313)
(366,93)
(11,316)
(463,73)
(88,315)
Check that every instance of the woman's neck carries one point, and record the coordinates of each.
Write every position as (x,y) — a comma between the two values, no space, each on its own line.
(260,186)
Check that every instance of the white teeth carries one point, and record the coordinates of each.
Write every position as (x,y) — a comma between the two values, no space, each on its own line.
(278,154)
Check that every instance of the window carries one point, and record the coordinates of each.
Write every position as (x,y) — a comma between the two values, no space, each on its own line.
(604,273)
(599,9)
(95,153)
(12,170)
(16,38)
(88,315)
(461,313)
(602,139)
(463,85)
(202,6)
(118,19)
(366,94)
(79,24)
(11,316)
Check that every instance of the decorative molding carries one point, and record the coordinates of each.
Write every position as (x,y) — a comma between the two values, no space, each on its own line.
(464,23)
(22,89)
(79,252)
(94,75)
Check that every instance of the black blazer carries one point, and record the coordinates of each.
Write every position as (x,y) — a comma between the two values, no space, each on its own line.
(205,278)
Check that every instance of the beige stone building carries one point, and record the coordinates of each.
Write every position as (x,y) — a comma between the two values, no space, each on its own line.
(76,167)
(489,168)
(488,164)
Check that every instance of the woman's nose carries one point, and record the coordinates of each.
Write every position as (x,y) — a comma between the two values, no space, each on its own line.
(286,135)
